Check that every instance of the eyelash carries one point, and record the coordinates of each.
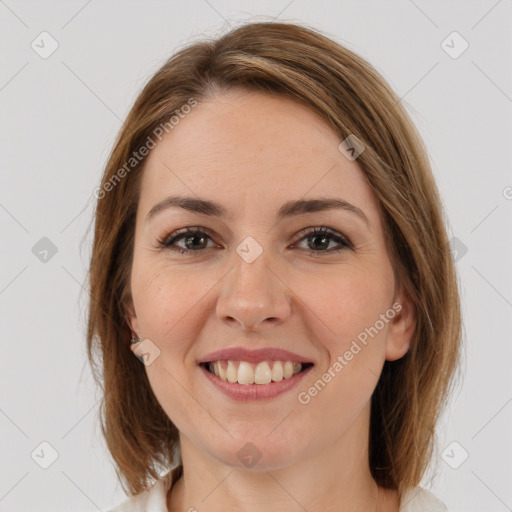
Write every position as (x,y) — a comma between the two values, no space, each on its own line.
(168,241)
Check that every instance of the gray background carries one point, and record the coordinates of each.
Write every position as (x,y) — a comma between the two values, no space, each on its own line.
(60,116)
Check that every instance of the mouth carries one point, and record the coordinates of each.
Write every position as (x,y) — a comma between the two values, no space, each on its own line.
(255,374)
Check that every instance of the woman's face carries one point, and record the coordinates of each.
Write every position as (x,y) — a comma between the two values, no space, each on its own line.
(254,279)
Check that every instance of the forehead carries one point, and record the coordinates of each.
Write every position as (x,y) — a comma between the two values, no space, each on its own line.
(252,147)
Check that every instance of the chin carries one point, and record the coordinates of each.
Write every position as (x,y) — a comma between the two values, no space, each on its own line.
(258,452)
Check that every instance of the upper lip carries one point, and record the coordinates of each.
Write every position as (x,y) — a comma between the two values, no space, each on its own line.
(253,356)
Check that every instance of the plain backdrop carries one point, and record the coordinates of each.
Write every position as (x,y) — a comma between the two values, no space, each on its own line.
(60,114)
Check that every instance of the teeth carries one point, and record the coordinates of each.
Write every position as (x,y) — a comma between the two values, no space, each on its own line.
(247,373)
(288,370)
(222,372)
(232,372)
(277,372)
(262,374)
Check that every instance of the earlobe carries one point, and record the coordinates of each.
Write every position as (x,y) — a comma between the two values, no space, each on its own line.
(401,329)
(131,316)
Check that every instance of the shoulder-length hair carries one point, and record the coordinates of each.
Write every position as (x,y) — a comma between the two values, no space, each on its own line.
(347,92)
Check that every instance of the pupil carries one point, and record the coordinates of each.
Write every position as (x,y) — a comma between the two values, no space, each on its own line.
(324,239)
(192,238)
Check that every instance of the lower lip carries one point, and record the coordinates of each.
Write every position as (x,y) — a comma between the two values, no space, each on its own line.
(249,392)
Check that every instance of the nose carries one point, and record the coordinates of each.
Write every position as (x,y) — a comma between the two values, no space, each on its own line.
(253,296)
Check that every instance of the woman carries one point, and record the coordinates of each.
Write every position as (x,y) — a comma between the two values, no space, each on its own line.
(269,243)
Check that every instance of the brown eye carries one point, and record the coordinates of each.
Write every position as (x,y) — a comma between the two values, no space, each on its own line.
(321,239)
(194,240)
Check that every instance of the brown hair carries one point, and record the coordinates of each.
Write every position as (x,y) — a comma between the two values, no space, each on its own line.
(346,91)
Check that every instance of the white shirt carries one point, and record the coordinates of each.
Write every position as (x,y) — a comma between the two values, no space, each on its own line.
(415,499)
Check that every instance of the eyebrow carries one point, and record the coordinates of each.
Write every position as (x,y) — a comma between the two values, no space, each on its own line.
(288,209)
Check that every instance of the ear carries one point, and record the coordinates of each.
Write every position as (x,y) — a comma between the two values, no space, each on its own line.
(131,316)
(401,328)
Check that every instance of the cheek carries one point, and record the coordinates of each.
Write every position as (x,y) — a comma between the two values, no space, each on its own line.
(348,303)
(167,305)
(163,299)
(353,337)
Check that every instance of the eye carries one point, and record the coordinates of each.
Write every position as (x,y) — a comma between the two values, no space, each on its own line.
(189,235)
(324,236)
(195,239)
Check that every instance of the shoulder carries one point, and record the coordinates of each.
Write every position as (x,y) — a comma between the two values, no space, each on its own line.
(152,500)
(418,499)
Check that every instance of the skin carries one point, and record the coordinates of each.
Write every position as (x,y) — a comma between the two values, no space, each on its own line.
(252,152)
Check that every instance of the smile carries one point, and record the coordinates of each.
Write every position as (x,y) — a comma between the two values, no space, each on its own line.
(264,372)
(247,373)
(254,374)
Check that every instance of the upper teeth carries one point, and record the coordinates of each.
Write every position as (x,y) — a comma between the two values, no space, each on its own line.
(244,372)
